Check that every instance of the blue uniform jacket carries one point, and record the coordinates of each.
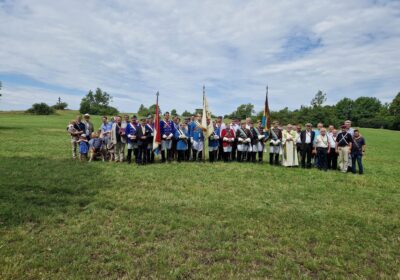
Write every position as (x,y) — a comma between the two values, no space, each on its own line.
(182,144)
(196,132)
(214,142)
(130,130)
(167,128)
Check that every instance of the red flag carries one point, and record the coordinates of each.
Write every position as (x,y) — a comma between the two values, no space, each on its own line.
(157,135)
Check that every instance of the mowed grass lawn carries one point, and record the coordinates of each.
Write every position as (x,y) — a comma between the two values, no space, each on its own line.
(63,219)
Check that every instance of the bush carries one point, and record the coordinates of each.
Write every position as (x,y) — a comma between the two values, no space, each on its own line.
(40,109)
(60,106)
(377,122)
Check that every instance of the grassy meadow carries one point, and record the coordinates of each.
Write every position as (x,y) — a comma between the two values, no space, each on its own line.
(65,219)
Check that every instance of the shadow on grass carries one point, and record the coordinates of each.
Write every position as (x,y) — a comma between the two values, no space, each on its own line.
(33,190)
(9,127)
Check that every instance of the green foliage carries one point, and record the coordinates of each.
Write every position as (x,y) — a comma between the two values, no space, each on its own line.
(97,103)
(366,107)
(143,111)
(186,114)
(173,112)
(63,219)
(60,106)
(243,111)
(394,108)
(319,99)
(344,108)
(40,109)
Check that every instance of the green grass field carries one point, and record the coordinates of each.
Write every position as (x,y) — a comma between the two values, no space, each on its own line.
(63,219)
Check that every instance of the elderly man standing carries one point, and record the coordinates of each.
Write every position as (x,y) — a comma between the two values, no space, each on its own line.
(332,155)
(322,148)
(275,143)
(307,137)
(88,125)
(343,148)
(118,138)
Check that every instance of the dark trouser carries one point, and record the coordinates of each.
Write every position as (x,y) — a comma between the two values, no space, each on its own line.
(234,148)
(227,156)
(169,153)
(322,156)
(253,156)
(181,155)
(149,155)
(239,156)
(129,156)
(220,150)
(260,156)
(299,151)
(212,156)
(197,155)
(332,159)
(142,158)
(357,158)
(174,151)
(187,152)
(306,152)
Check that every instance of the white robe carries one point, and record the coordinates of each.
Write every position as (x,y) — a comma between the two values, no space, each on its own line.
(289,154)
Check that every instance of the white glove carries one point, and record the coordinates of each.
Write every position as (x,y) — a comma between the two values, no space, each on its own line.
(191,139)
(216,137)
(170,136)
(164,136)
(248,140)
(225,139)
(260,137)
(181,136)
(240,139)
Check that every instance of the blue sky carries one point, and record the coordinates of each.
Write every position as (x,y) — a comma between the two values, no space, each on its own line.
(131,49)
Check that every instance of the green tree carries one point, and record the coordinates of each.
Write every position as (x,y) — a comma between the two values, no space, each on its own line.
(173,112)
(186,114)
(40,109)
(97,104)
(394,108)
(344,109)
(152,109)
(243,111)
(318,99)
(60,105)
(366,107)
(143,111)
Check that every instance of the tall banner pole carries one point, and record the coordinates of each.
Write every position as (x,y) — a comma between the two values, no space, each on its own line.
(204,132)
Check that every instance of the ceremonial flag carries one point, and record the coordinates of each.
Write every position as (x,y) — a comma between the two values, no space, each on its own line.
(208,129)
(266,119)
(157,135)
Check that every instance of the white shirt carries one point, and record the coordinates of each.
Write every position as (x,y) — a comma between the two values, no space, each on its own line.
(308,137)
(322,141)
(332,140)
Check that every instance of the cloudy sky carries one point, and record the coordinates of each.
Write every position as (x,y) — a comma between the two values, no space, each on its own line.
(131,49)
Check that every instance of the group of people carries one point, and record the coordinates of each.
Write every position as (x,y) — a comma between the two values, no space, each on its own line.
(241,141)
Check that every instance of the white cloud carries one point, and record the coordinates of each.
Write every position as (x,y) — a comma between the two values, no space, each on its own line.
(131,49)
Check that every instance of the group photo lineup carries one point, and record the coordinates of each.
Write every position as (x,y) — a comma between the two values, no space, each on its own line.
(167,139)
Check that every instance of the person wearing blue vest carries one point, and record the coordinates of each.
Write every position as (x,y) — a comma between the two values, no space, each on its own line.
(167,131)
(182,139)
(132,141)
(196,138)
(213,143)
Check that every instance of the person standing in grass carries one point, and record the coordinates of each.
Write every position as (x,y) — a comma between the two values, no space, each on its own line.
(275,143)
(96,145)
(357,152)
(143,133)
(75,133)
(83,147)
(244,142)
(322,148)
(118,139)
(197,138)
(289,154)
(307,139)
(150,152)
(343,148)
(131,139)
(298,142)
(332,155)
(88,126)
(182,140)
(228,137)
(221,126)
(167,133)
(213,143)
(258,141)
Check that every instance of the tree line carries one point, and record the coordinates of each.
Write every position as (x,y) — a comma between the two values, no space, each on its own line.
(364,111)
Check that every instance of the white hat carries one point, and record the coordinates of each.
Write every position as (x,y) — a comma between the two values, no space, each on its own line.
(87,115)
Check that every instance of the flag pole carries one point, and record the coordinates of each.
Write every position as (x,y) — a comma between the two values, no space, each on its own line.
(205,134)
